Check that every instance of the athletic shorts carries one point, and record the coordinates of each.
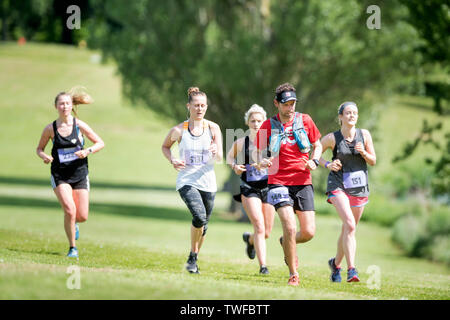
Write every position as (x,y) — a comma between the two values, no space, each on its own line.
(200,204)
(354,201)
(250,192)
(301,198)
(81,184)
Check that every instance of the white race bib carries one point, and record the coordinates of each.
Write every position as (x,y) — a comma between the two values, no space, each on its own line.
(354,179)
(196,157)
(277,195)
(68,154)
(254,174)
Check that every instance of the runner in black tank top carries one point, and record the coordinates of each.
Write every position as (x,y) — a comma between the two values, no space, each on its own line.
(69,166)
(66,166)
(253,188)
(348,187)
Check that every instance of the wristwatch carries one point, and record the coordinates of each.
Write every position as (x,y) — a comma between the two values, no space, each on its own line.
(316,162)
(90,150)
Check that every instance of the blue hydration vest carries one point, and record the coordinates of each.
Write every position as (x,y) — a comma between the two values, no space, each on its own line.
(278,134)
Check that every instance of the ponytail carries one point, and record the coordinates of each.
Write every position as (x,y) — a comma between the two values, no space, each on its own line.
(78,95)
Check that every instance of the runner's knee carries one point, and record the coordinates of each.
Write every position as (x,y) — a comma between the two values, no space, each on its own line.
(199,221)
(308,233)
(82,218)
(290,231)
(259,228)
(350,226)
(70,210)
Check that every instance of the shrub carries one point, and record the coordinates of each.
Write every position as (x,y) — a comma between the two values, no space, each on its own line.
(425,235)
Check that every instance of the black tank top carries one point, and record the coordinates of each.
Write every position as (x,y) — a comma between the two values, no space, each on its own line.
(252,177)
(66,165)
(353,177)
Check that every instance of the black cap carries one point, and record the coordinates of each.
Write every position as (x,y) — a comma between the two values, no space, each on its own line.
(286,96)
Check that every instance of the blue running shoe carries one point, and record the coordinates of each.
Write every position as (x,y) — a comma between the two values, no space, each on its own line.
(77,231)
(335,272)
(73,253)
(352,275)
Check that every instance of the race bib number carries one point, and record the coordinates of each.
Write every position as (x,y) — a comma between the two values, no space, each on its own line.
(354,179)
(253,174)
(196,158)
(277,195)
(68,154)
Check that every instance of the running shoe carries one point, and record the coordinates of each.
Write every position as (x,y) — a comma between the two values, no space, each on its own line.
(293,280)
(263,270)
(77,231)
(352,275)
(73,253)
(296,257)
(335,272)
(191,265)
(250,248)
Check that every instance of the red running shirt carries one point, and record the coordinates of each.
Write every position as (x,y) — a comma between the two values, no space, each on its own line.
(287,168)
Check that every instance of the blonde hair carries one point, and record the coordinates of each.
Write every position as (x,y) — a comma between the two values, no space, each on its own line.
(78,95)
(255,109)
(194,91)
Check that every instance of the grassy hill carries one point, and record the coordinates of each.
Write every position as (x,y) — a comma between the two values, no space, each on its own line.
(136,240)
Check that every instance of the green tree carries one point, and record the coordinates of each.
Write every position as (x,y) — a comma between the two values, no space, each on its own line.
(41,20)
(431,19)
(239,51)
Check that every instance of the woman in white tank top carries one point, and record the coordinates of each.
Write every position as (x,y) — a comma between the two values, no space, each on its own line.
(200,145)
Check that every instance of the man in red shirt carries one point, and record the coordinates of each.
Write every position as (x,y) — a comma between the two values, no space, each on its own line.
(290,183)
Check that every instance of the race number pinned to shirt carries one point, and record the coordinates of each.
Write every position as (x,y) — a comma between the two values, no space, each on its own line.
(354,179)
(68,154)
(253,174)
(196,157)
(277,195)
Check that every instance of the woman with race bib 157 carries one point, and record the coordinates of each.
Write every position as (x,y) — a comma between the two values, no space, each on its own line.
(348,184)
(200,145)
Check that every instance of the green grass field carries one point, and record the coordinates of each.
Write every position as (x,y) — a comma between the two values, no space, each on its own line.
(136,240)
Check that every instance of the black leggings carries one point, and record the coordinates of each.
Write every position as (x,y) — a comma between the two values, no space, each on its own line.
(200,204)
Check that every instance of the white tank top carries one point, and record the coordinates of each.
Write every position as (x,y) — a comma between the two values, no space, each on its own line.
(194,150)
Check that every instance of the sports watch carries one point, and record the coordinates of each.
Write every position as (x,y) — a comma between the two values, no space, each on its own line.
(316,162)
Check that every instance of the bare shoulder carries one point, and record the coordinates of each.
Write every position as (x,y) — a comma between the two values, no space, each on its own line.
(49,127)
(213,125)
(366,133)
(48,130)
(177,129)
(176,132)
(329,137)
(328,141)
(240,143)
(81,124)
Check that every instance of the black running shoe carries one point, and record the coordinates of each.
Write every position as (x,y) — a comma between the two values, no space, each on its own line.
(250,248)
(191,264)
(263,270)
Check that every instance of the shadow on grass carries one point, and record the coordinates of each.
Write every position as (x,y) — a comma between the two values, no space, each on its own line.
(151,212)
(52,253)
(94,184)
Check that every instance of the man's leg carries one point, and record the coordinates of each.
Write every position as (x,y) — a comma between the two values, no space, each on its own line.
(287,218)
(307,221)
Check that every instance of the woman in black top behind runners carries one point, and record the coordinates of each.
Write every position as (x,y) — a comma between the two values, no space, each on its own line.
(69,165)
(253,188)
